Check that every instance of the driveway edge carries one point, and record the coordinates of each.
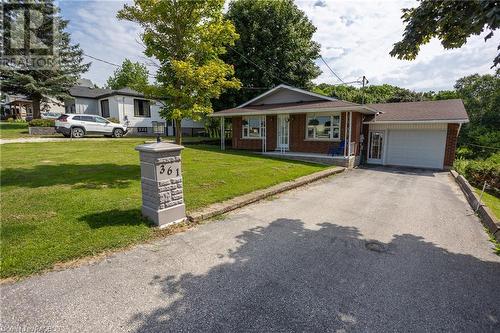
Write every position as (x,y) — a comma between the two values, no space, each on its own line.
(246,199)
(489,220)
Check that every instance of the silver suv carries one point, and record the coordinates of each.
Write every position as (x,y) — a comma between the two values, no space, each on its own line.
(79,125)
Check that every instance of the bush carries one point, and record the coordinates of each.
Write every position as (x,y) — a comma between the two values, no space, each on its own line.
(113,120)
(42,123)
(479,171)
(10,120)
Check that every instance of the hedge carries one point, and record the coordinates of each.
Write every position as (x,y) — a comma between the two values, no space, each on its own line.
(479,171)
(42,123)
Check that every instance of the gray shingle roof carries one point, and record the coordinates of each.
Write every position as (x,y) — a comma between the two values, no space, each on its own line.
(86,92)
(450,109)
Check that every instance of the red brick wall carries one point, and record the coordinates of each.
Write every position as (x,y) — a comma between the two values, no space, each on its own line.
(298,143)
(451,145)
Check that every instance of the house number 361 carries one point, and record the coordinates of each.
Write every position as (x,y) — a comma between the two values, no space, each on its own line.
(168,170)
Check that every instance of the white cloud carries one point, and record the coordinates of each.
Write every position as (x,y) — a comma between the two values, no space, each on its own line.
(355,36)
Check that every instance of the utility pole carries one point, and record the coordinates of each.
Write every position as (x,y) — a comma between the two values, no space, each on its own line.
(364,82)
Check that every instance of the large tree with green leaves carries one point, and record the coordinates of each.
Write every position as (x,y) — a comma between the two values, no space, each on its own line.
(275,46)
(481,97)
(385,93)
(187,38)
(40,83)
(449,20)
(130,74)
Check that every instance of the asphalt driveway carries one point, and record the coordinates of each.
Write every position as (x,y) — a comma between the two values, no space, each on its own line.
(368,250)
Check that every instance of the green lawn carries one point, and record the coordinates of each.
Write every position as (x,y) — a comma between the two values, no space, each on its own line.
(65,200)
(13,130)
(491,201)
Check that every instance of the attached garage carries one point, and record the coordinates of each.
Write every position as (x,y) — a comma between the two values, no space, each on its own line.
(413,145)
(416,148)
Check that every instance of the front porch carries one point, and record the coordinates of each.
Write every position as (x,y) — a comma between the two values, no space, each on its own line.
(343,161)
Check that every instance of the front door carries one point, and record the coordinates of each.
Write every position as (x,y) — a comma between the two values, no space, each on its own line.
(375,147)
(283,132)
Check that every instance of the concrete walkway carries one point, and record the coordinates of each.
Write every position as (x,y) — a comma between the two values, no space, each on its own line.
(367,250)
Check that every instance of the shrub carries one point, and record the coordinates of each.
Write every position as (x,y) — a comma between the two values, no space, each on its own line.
(464,153)
(113,120)
(479,171)
(10,120)
(42,123)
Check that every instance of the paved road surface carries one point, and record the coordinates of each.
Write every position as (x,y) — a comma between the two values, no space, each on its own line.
(368,250)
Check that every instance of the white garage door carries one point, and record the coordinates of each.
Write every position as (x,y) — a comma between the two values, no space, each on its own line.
(416,148)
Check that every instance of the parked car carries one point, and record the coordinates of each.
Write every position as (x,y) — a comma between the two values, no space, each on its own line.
(79,125)
(50,115)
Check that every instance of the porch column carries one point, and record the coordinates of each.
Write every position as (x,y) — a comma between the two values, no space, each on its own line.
(350,132)
(222,134)
(345,135)
(264,134)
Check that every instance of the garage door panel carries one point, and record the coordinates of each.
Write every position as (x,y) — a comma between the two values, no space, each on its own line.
(417,148)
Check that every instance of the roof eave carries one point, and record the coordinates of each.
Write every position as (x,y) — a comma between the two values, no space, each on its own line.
(432,121)
(356,108)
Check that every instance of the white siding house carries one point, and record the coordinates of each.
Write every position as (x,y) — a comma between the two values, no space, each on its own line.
(128,106)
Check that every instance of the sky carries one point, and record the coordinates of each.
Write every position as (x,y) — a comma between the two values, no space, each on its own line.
(356,37)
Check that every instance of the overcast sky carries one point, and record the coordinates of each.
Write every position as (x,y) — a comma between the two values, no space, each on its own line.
(355,36)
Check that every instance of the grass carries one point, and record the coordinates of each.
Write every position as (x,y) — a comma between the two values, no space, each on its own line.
(13,130)
(66,200)
(491,201)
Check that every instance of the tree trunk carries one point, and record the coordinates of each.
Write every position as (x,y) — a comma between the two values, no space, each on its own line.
(37,100)
(178,132)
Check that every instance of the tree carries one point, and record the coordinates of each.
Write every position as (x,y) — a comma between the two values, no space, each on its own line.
(275,45)
(450,21)
(385,93)
(187,38)
(131,74)
(481,97)
(50,81)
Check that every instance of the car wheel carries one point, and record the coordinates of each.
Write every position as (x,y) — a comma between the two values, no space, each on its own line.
(117,133)
(77,132)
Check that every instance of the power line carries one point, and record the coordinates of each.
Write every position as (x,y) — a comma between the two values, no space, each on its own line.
(253,63)
(331,70)
(110,63)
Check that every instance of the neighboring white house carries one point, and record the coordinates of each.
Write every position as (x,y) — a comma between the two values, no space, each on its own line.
(126,105)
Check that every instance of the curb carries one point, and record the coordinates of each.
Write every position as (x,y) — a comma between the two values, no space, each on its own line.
(246,199)
(487,218)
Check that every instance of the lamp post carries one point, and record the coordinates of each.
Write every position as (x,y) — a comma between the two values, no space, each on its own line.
(158,129)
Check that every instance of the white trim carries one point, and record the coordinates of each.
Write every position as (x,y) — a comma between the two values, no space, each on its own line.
(289,88)
(381,160)
(262,118)
(457,121)
(336,114)
(350,131)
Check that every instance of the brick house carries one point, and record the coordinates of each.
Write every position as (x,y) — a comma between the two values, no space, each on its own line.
(298,124)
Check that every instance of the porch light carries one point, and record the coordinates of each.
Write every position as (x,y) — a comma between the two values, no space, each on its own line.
(158,129)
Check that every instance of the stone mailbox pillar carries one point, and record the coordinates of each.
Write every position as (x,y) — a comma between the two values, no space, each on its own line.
(161,182)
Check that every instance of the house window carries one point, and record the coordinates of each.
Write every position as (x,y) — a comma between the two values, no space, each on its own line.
(142,129)
(141,108)
(252,127)
(323,127)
